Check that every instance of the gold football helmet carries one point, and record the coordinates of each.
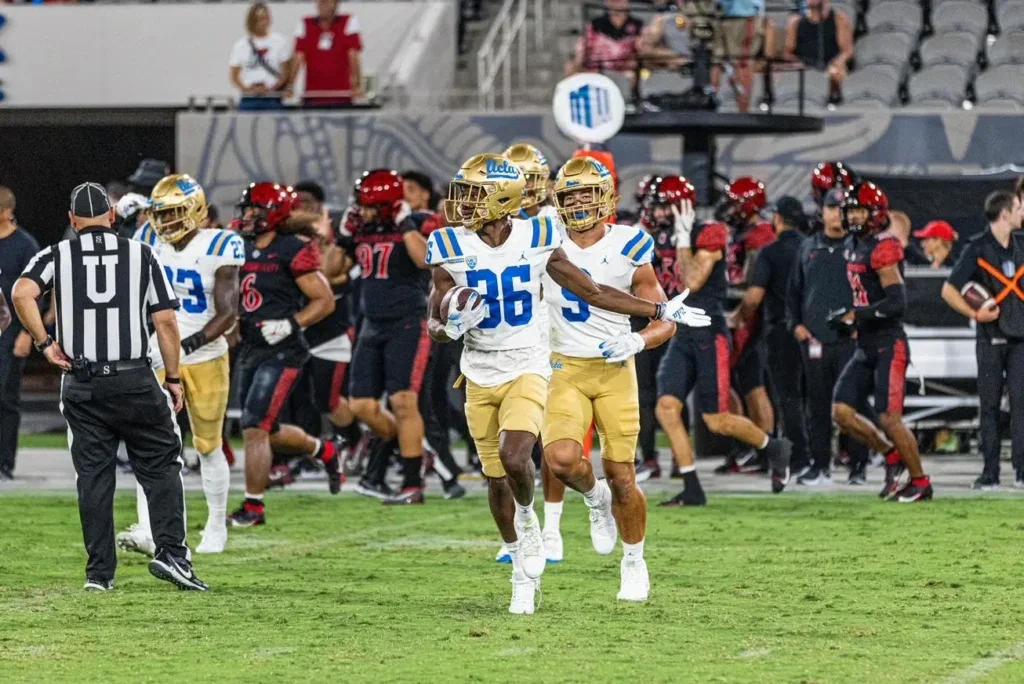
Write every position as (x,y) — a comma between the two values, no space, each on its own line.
(176,207)
(487,188)
(535,170)
(580,210)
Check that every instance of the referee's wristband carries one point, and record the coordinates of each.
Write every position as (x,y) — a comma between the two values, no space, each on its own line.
(42,346)
(172,381)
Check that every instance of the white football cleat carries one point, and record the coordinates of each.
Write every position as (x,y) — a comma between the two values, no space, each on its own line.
(524,592)
(215,538)
(553,546)
(531,544)
(135,539)
(635,585)
(603,532)
(503,555)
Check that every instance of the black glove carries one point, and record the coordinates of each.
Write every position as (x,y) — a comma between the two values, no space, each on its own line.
(193,342)
(836,321)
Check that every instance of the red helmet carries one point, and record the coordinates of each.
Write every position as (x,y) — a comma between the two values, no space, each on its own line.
(667,191)
(381,189)
(828,175)
(744,200)
(870,197)
(642,187)
(273,203)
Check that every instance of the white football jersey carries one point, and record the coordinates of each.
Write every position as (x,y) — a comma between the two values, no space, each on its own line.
(577,329)
(191,274)
(511,341)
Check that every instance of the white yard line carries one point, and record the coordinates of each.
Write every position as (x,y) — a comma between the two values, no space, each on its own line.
(986,666)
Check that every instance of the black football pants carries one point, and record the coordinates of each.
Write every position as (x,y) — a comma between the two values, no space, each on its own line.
(1000,364)
(821,376)
(787,387)
(132,407)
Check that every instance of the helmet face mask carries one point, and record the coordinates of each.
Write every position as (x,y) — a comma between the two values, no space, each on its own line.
(865,210)
(177,207)
(488,188)
(665,193)
(584,194)
(264,207)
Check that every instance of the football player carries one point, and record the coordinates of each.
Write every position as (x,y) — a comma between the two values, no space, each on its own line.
(283,292)
(593,374)
(825,177)
(741,211)
(875,270)
(505,361)
(202,267)
(699,358)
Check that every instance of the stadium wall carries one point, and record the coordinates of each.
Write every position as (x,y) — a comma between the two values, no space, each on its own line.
(160,55)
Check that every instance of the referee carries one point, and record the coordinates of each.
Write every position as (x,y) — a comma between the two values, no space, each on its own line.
(106,288)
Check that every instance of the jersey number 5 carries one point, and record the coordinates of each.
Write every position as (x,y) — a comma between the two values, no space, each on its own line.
(504,300)
(251,297)
(365,255)
(582,311)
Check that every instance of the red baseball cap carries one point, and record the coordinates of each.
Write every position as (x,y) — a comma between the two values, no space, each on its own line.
(937,229)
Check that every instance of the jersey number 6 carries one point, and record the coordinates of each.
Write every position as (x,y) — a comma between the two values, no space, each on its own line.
(251,297)
(504,301)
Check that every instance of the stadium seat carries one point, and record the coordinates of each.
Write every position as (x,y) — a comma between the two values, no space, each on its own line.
(998,86)
(960,15)
(884,48)
(895,17)
(950,48)
(1010,16)
(787,88)
(1009,49)
(871,86)
(938,85)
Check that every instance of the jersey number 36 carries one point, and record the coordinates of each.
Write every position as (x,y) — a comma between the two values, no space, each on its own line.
(503,300)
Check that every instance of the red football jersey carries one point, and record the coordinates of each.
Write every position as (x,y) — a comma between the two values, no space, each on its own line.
(326,52)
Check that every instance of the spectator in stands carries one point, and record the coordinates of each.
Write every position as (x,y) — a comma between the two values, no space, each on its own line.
(937,240)
(821,38)
(17,248)
(418,190)
(261,62)
(609,43)
(740,39)
(328,45)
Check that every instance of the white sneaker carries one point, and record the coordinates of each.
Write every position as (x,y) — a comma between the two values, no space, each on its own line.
(524,592)
(531,545)
(135,539)
(603,532)
(215,538)
(553,546)
(503,555)
(635,584)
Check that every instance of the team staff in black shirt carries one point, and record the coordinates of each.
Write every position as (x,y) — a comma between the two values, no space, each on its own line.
(995,259)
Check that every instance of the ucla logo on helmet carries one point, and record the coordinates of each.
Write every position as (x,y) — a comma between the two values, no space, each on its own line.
(187,186)
(501,169)
(601,169)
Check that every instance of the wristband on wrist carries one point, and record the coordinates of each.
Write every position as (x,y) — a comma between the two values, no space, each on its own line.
(172,381)
(40,346)
(295,324)
(193,342)
(659,310)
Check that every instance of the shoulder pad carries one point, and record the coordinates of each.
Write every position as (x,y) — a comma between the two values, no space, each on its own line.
(544,234)
(887,251)
(639,248)
(146,234)
(443,247)
(711,237)
(759,235)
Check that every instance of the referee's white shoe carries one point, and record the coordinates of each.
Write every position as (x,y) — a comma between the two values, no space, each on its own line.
(136,539)
(177,571)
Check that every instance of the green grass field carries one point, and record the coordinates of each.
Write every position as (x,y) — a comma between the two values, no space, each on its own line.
(750,589)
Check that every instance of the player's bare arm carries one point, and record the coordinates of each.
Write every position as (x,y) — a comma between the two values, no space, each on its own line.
(336,264)
(440,283)
(695,266)
(572,278)
(225,298)
(752,300)
(957,302)
(319,299)
(416,246)
(5,314)
(646,286)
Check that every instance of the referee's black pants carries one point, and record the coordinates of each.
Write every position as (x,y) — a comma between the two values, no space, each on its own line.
(787,386)
(130,406)
(10,400)
(1000,363)
(821,375)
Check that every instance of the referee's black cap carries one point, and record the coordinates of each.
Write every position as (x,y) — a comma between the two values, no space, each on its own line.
(89,200)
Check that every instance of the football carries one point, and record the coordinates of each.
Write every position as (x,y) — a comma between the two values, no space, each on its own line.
(462,295)
(976,295)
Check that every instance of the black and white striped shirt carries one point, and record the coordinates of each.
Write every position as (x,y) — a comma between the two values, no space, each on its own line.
(105,287)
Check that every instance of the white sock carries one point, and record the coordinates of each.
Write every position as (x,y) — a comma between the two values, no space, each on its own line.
(316,449)
(766,440)
(552,516)
(216,478)
(142,509)
(526,510)
(595,497)
(633,551)
(513,551)
(254,497)
(688,469)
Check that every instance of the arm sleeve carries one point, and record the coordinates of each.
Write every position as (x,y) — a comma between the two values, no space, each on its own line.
(891,306)
(40,269)
(306,260)
(761,274)
(159,295)
(712,238)
(964,269)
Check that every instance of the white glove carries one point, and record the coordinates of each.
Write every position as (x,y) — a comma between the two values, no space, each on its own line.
(404,212)
(684,218)
(462,320)
(130,203)
(276,331)
(675,310)
(619,348)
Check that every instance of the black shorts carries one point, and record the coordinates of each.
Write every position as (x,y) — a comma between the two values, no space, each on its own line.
(697,358)
(330,380)
(389,357)
(266,379)
(878,367)
(749,371)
